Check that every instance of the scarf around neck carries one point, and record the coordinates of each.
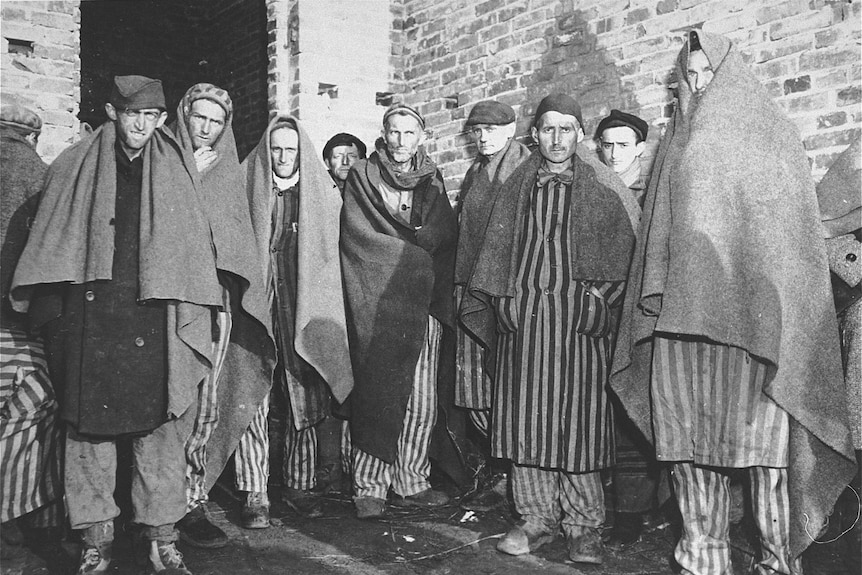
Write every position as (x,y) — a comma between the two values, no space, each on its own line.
(421,168)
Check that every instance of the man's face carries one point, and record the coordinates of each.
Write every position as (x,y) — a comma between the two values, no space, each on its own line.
(403,135)
(135,127)
(620,148)
(491,138)
(699,72)
(206,123)
(558,136)
(284,150)
(341,158)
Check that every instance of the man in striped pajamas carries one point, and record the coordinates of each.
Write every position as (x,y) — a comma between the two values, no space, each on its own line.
(544,295)
(398,237)
(728,353)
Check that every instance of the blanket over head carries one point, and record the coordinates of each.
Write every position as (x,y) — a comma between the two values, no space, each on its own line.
(602,203)
(395,276)
(478,194)
(729,249)
(72,241)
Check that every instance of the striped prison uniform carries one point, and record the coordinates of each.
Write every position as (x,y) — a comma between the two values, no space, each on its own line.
(408,475)
(709,413)
(30,472)
(551,408)
(473,387)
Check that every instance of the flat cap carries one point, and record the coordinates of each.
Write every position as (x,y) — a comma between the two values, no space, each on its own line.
(617,118)
(403,110)
(562,103)
(137,93)
(491,112)
(344,139)
(21,118)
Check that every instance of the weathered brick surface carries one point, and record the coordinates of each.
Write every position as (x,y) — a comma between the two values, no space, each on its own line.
(48,80)
(620,53)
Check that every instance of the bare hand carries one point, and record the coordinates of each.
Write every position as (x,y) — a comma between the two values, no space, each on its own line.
(204,158)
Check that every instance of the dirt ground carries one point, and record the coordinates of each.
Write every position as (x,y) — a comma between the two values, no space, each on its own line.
(439,542)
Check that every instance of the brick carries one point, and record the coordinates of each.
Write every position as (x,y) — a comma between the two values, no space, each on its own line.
(638,15)
(826,38)
(781,49)
(827,58)
(8,13)
(488,6)
(511,12)
(824,161)
(800,84)
(800,24)
(777,68)
(62,7)
(812,103)
(832,79)
(830,139)
(851,95)
(53,20)
(644,47)
(666,6)
(832,120)
(781,11)
(730,23)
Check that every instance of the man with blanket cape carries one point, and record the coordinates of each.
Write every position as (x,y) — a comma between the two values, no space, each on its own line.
(121,259)
(225,401)
(542,299)
(295,207)
(728,352)
(492,125)
(398,236)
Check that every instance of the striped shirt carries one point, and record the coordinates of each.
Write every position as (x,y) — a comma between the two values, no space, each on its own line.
(551,407)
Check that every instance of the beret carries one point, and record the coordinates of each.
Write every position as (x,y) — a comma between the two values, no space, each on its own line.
(343,139)
(491,112)
(562,103)
(137,93)
(20,118)
(403,110)
(617,118)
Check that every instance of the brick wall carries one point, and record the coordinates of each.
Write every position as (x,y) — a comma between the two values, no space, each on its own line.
(46,78)
(620,53)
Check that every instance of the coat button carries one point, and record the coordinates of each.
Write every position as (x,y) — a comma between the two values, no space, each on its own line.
(89,295)
(851,257)
(139,341)
(274,250)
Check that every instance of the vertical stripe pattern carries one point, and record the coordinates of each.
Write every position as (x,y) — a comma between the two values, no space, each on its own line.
(372,477)
(30,475)
(473,386)
(206,419)
(542,496)
(300,455)
(771,505)
(480,419)
(703,496)
(551,407)
(709,407)
(251,459)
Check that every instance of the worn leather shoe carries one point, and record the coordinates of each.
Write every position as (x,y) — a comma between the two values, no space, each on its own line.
(255,512)
(523,538)
(427,498)
(585,546)
(304,503)
(369,507)
(492,496)
(95,560)
(165,559)
(198,531)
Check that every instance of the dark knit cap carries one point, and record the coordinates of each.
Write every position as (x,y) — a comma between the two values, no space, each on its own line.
(137,93)
(562,103)
(403,110)
(23,119)
(491,112)
(616,119)
(344,139)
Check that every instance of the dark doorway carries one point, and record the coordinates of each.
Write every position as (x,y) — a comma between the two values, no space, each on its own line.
(223,42)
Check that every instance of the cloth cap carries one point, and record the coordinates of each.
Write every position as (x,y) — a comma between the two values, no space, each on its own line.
(204,91)
(617,118)
(137,93)
(562,103)
(344,139)
(491,112)
(404,110)
(21,118)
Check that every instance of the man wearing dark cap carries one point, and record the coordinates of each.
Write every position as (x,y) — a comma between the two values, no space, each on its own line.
(492,126)
(542,299)
(728,354)
(340,153)
(29,437)
(119,273)
(398,235)
(622,139)
(205,134)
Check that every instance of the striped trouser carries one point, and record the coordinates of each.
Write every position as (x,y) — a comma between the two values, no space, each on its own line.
(703,495)
(544,496)
(372,477)
(479,417)
(206,419)
(300,455)
(251,459)
(30,474)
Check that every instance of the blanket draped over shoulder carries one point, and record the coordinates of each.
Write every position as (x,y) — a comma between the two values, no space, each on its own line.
(72,241)
(603,202)
(729,249)
(395,276)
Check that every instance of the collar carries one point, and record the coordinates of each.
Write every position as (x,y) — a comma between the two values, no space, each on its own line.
(544,176)
(632,174)
(285,183)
